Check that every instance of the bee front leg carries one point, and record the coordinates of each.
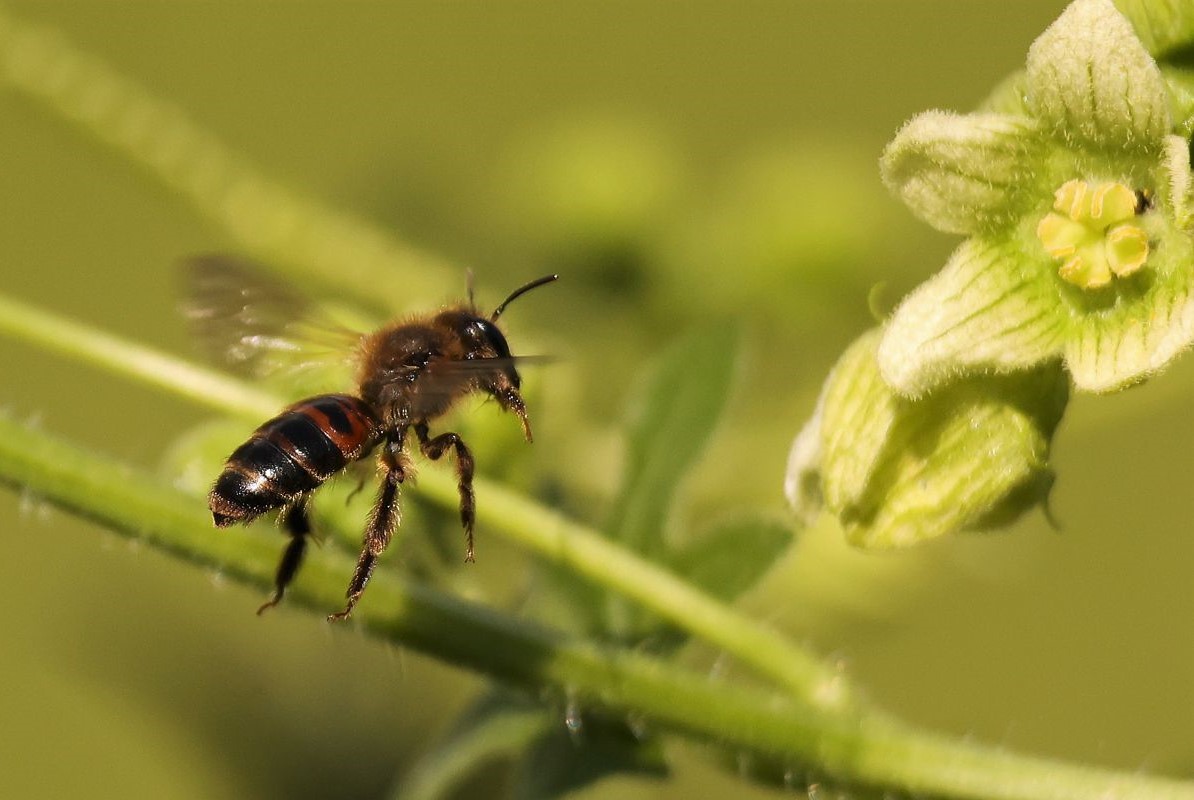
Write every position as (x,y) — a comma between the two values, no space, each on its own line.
(433,449)
(382,523)
(296,522)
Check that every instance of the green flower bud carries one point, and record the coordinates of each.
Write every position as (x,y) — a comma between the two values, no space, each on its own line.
(895,471)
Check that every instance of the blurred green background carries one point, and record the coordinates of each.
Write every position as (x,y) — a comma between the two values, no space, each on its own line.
(675,162)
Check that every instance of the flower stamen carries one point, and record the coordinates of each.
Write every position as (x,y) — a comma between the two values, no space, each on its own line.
(1090,233)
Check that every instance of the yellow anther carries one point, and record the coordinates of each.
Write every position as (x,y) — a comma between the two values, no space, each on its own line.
(1089,232)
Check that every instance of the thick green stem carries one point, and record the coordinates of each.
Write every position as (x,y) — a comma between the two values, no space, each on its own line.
(818,724)
(852,745)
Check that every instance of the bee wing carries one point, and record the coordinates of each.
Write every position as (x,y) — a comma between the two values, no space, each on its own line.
(472,366)
(257,326)
(447,376)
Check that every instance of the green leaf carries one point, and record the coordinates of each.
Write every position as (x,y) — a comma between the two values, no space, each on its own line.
(562,601)
(500,725)
(1090,79)
(669,423)
(723,562)
(582,751)
(728,560)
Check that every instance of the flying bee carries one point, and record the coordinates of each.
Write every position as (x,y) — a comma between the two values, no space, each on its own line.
(408,374)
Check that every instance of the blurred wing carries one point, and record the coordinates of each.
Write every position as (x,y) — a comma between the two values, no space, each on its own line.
(257,326)
(447,376)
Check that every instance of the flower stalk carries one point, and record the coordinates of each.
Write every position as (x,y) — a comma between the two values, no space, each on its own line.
(854,744)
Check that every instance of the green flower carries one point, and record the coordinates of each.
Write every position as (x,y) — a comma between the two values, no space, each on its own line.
(1075,201)
(897,471)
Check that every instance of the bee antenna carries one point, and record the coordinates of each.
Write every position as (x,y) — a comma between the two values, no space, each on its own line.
(468,283)
(519,292)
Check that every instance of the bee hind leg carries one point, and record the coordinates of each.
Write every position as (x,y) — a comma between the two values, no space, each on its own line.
(382,523)
(297,523)
(434,449)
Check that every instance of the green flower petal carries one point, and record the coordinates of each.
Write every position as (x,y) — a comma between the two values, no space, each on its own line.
(1180,81)
(857,412)
(971,457)
(802,481)
(1090,79)
(1008,96)
(992,307)
(1147,321)
(1162,25)
(897,472)
(1176,159)
(964,174)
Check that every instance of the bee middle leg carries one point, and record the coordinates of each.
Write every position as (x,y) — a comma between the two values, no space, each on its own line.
(382,523)
(434,449)
(296,522)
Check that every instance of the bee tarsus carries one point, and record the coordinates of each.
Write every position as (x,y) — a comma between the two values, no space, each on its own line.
(434,449)
(296,522)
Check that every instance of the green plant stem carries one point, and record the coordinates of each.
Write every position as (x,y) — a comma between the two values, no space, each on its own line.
(550,535)
(314,241)
(30,324)
(843,738)
(265,218)
(851,745)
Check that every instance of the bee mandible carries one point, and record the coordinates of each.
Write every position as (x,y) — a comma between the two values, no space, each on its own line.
(408,374)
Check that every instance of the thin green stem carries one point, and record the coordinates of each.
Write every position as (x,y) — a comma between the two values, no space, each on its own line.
(28,323)
(851,745)
(552,536)
(265,218)
(819,723)
(314,241)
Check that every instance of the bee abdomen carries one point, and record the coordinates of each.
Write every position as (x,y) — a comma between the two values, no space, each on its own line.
(291,455)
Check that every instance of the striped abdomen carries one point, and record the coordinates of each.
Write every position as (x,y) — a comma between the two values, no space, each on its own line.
(291,455)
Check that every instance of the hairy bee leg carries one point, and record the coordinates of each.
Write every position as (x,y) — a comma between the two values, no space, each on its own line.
(434,449)
(382,523)
(377,536)
(298,525)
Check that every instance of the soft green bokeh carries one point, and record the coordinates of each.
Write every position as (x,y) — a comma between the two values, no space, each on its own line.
(128,674)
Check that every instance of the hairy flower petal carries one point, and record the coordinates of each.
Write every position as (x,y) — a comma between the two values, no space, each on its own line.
(1162,25)
(963,173)
(1091,80)
(1178,179)
(896,471)
(857,412)
(802,481)
(1144,326)
(991,307)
